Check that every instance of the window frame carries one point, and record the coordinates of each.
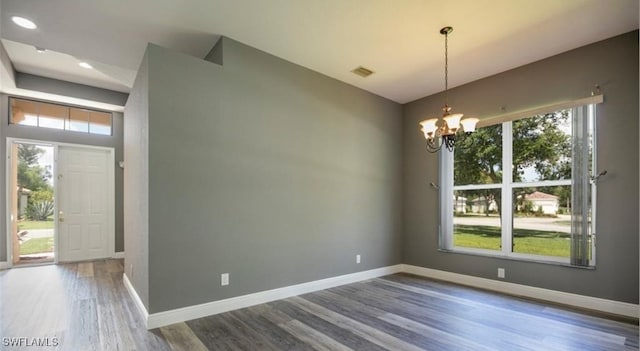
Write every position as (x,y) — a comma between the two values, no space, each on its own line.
(507,186)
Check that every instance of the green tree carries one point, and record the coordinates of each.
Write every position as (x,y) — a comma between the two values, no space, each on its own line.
(29,154)
(478,157)
(478,160)
(35,177)
(31,175)
(539,142)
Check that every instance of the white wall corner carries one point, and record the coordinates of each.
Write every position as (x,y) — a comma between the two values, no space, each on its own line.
(581,301)
(136,300)
(118,255)
(4,265)
(160,319)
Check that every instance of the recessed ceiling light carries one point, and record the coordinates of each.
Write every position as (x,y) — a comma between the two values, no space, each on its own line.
(85,65)
(40,50)
(23,22)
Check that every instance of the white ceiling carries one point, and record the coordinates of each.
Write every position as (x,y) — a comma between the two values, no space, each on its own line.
(399,40)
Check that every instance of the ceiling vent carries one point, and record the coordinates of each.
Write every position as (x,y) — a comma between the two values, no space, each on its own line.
(362,72)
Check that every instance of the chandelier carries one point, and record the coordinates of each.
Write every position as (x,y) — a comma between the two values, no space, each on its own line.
(439,133)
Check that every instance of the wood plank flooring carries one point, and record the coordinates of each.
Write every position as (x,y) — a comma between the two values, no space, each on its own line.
(85,306)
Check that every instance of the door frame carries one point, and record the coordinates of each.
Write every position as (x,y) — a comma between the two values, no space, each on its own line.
(110,194)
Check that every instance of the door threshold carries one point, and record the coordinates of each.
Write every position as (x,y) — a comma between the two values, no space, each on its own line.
(39,260)
(35,264)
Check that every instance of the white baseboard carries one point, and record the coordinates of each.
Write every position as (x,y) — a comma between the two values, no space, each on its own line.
(4,265)
(587,302)
(160,319)
(137,301)
(118,255)
(156,320)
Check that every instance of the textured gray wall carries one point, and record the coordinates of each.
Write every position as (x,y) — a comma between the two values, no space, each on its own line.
(27,132)
(136,187)
(266,170)
(611,63)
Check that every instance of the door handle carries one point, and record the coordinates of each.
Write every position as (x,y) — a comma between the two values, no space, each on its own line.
(60,216)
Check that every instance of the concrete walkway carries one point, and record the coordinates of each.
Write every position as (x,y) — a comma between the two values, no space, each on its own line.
(38,233)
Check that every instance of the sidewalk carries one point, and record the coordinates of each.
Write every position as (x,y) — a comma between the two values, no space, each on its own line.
(38,233)
(533,223)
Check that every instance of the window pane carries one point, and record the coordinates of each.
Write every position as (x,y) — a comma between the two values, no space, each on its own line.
(78,120)
(100,123)
(24,112)
(542,220)
(478,157)
(476,219)
(542,147)
(52,116)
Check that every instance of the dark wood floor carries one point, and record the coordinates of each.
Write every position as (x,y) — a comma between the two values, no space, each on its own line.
(84,306)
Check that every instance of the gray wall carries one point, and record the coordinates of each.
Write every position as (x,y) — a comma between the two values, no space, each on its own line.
(611,63)
(266,170)
(44,134)
(59,87)
(136,187)
(215,55)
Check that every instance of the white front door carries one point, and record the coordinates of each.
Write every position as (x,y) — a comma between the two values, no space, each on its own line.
(85,206)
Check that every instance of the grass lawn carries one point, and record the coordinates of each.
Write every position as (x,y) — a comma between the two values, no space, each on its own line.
(535,242)
(26,225)
(37,245)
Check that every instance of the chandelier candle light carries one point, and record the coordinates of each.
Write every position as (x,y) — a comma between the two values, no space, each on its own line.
(444,133)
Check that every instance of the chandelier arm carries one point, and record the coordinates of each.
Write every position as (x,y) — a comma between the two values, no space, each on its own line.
(431,146)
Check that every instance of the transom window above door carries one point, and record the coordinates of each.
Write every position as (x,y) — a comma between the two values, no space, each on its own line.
(54,116)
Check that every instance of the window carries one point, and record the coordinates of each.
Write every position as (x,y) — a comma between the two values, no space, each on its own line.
(46,115)
(523,189)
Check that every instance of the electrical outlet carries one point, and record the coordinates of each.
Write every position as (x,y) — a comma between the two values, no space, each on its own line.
(501,273)
(358,259)
(224,279)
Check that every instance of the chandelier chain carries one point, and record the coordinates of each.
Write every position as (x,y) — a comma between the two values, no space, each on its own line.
(446,69)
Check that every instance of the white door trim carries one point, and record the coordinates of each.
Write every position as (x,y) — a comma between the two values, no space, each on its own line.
(56,145)
(7,200)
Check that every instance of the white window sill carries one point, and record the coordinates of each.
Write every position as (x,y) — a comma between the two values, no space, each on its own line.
(557,261)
